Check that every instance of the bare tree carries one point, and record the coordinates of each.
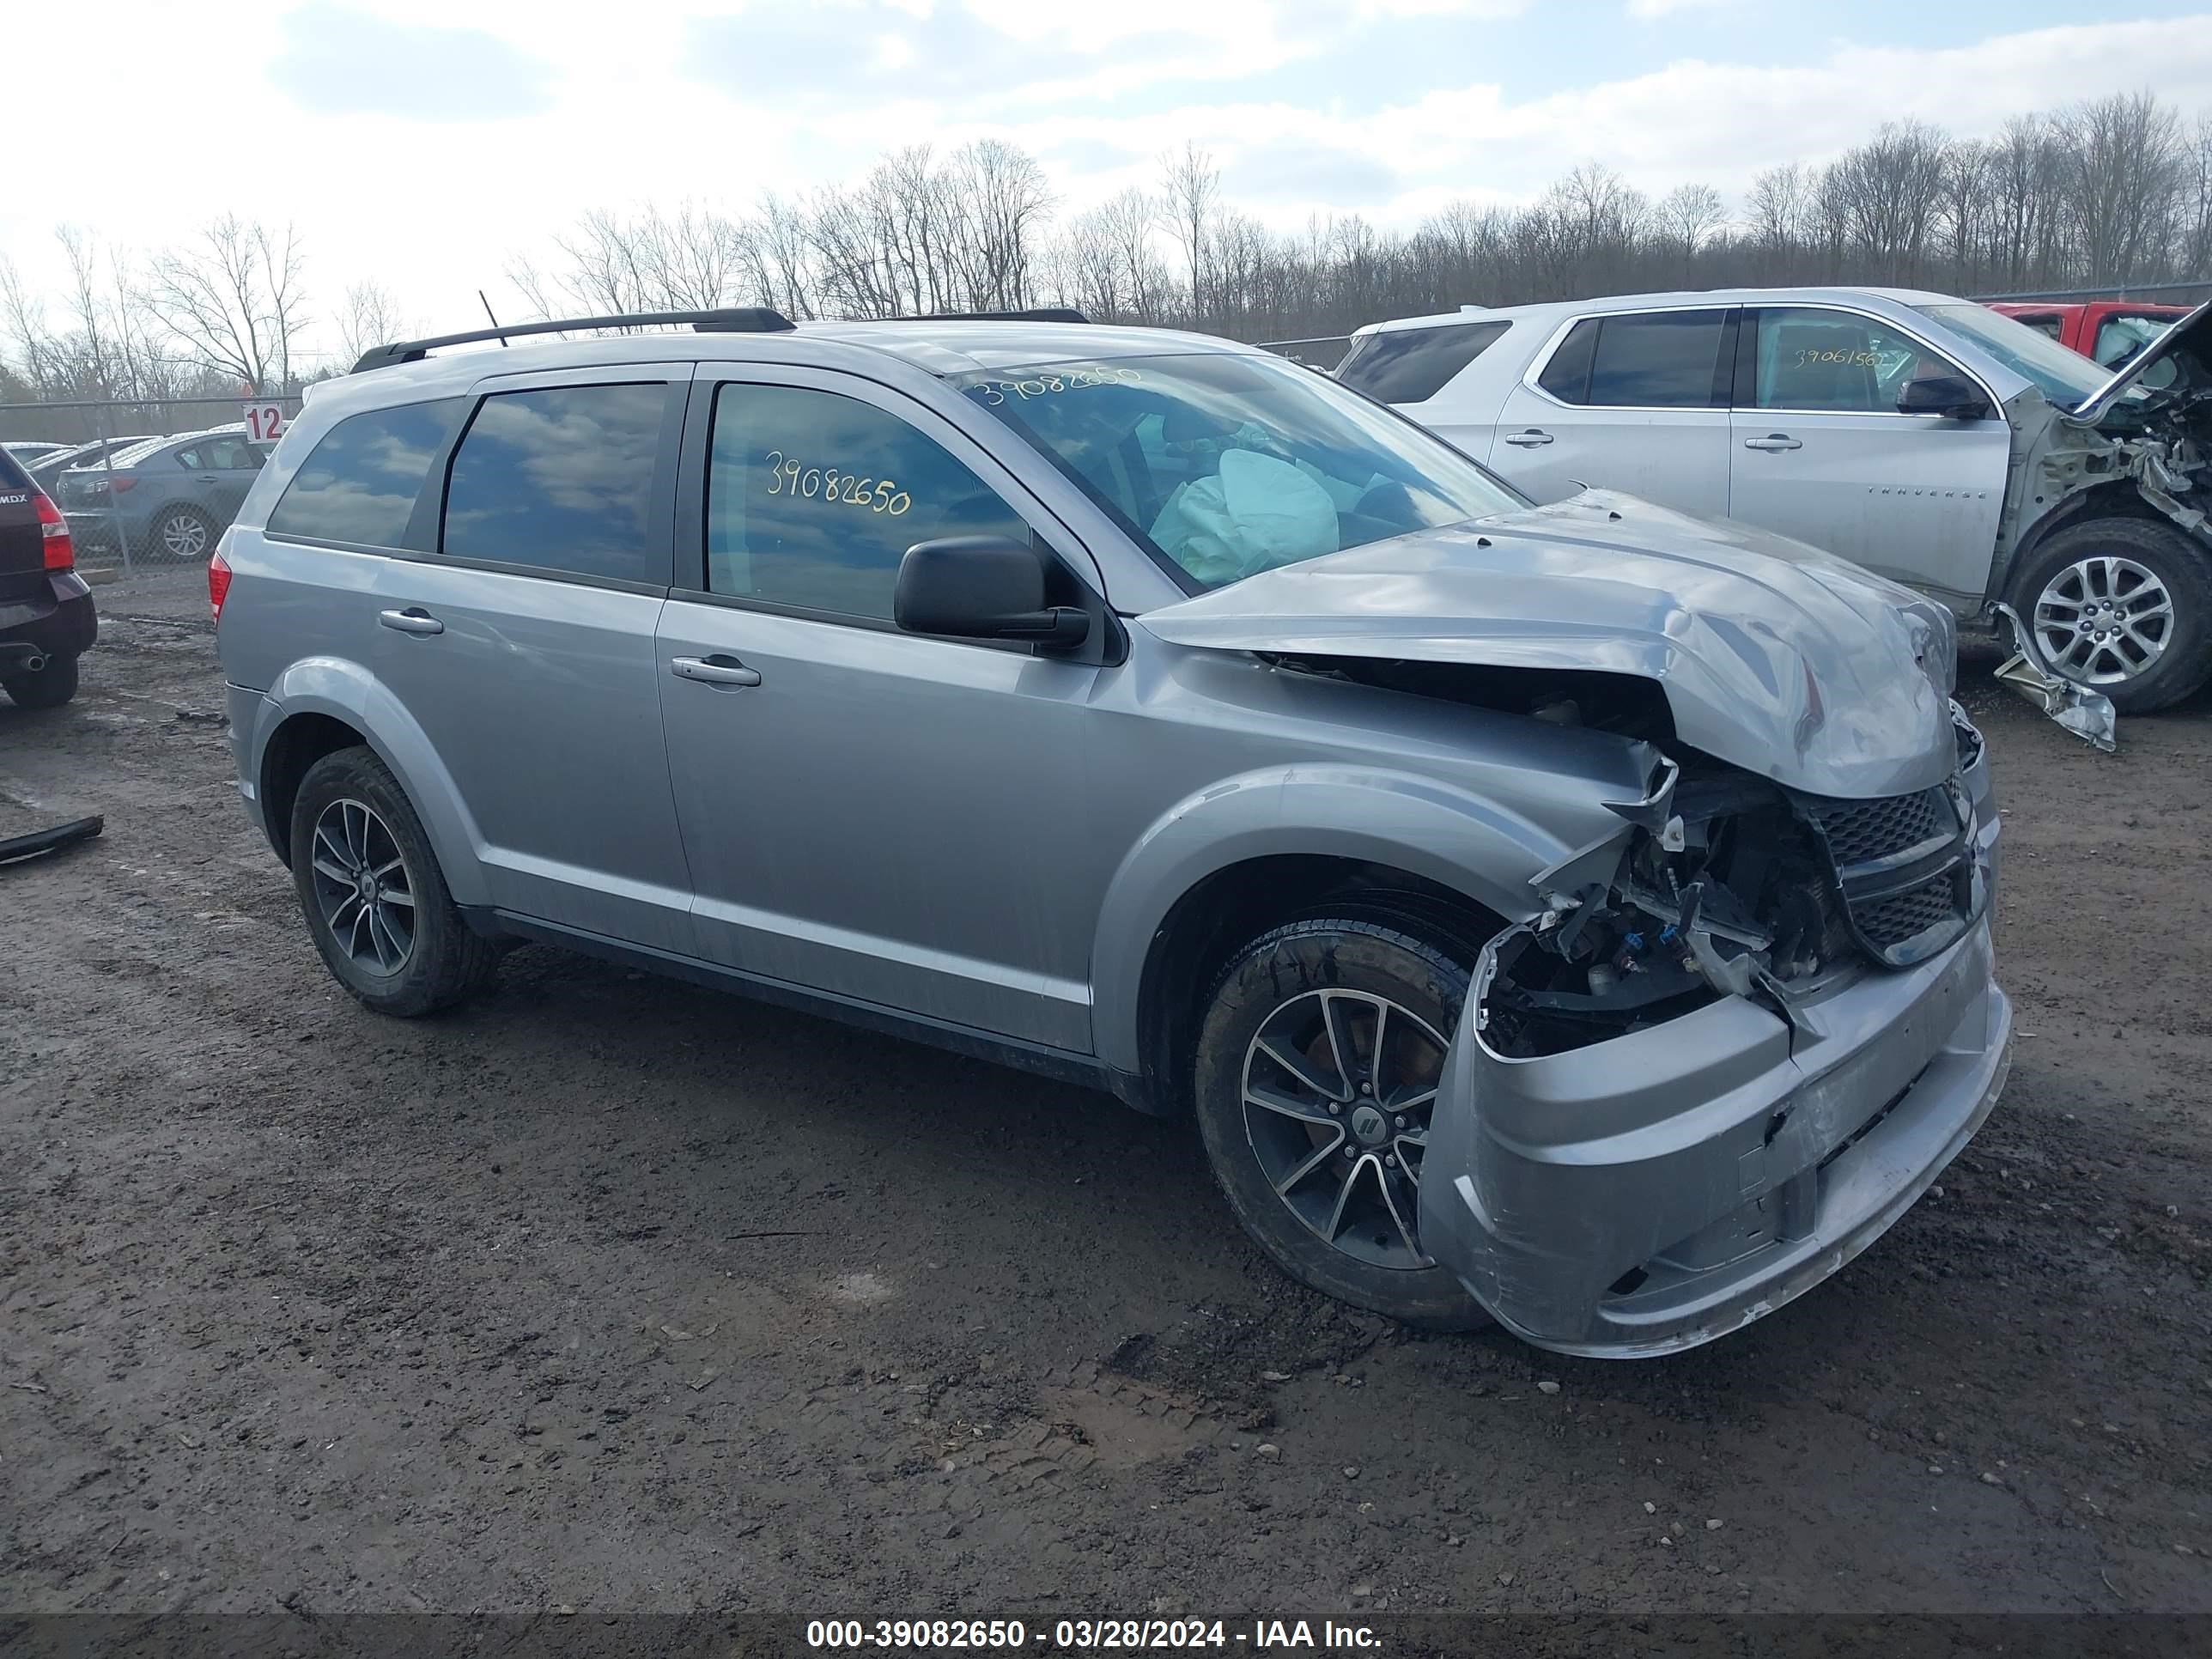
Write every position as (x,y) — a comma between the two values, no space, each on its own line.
(1191,185)
(233,300)
(371,317)
(1690,213)
(2126,165)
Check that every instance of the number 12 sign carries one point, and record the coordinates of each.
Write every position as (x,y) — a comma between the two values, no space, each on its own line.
(265,422)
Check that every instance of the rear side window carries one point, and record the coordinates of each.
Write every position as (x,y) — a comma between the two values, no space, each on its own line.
(1665,360)
(12,475)
(360,483)
(559,479)
(1412,365)
(813,500)
(1653,359)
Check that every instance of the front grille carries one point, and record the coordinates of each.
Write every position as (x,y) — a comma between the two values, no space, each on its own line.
(1890,921)
(1862,829)
(1905,867)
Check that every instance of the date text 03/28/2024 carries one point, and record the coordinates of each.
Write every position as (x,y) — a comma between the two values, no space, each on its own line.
(1124,1635)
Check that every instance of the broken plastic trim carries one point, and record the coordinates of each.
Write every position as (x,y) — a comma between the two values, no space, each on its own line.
(2087,714)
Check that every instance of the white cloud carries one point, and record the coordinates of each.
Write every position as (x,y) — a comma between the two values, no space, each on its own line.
(1649,10)
(436,209)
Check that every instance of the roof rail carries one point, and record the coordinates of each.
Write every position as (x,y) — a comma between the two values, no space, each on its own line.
(736,319)
(1041,314)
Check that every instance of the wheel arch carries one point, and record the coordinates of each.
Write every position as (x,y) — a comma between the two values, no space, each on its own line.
(2116,498)
(321,705)
(1250,854)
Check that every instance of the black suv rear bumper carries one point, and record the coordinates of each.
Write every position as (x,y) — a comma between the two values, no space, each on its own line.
(55,619)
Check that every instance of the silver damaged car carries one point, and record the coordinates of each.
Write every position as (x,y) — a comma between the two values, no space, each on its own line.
(1575,915)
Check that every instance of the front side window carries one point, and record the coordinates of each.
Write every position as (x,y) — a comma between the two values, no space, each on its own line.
(559,479)
(2063,376)
(1813,360)
(1223,463)
(231,455)
(360,483)
(813,498)
(1412,365)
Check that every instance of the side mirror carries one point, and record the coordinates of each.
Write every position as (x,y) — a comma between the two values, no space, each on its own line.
(1953,397)
(981,587)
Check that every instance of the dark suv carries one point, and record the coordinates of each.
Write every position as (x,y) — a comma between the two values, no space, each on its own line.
(46,609)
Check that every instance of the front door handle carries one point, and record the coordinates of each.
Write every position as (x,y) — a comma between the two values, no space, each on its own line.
(1528,439)
(713,671)
(413,620)
(1773,440)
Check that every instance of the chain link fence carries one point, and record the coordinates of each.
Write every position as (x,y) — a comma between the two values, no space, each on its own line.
(131,499)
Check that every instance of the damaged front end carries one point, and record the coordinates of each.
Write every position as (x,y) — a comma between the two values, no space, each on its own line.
(1738,1041)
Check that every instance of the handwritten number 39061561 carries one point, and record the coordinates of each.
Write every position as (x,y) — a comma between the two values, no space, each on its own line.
(787,477)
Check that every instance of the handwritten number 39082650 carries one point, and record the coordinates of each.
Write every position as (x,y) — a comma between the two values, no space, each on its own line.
(787,477)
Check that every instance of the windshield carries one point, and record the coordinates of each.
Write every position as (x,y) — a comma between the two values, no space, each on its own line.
(2061,374)
(1222,466)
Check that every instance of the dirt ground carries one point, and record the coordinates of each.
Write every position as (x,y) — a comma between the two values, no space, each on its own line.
(614,1294)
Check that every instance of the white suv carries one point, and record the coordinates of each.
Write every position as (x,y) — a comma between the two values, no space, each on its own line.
(1930,439)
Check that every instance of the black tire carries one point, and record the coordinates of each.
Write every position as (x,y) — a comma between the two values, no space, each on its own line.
(2172,558)
(50,688)
(156,543)
(444,962)
(1271,985)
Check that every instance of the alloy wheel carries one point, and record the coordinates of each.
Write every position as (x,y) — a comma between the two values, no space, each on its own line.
(1339,1086)
(362,889)
(183,536)
(2103,619)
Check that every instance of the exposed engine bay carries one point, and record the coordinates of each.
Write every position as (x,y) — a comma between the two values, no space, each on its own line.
(1721,882)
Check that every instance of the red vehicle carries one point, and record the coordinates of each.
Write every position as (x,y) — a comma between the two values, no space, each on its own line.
(2110,331)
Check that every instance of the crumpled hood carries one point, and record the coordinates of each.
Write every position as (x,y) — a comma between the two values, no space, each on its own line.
(1772,655)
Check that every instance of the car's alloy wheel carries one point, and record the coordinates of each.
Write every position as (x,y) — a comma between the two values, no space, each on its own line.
(1338,1086)
(183,536)
(2103,619)
(362,890)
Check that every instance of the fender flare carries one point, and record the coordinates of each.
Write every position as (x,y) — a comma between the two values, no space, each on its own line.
(1413,823)
(348,692)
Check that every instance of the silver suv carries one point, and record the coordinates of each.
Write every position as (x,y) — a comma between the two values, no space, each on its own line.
(1578,914)
(1948,447)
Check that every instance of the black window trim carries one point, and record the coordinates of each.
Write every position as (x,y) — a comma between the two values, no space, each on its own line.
(1108,640)
(1567,325)
(426,525)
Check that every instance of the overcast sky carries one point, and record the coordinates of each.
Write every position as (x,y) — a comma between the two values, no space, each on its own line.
(424,142)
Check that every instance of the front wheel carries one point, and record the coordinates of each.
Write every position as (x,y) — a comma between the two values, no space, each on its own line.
(2122,606)
(373,896)
(1315,1082)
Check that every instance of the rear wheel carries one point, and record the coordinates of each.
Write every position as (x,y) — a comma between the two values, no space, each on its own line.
(2121,605)
(183,534)
(47,687)
(1316,1074)
(373,896)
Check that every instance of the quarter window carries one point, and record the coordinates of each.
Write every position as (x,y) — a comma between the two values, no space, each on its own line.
(1837,361)
(360,483)
(1412,365)
(559,479)
(813,498)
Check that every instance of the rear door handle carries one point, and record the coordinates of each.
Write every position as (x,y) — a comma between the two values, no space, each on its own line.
(209,477)
(413,620)
(1528,439)
(713,671)
(1773,440)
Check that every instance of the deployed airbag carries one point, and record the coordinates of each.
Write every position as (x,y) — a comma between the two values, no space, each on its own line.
(1253,515)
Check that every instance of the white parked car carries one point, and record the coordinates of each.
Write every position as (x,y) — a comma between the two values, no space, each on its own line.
(1930,439)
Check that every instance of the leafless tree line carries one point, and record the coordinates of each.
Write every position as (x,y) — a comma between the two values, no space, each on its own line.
(2114,191)
(222,313)
(2117,190)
